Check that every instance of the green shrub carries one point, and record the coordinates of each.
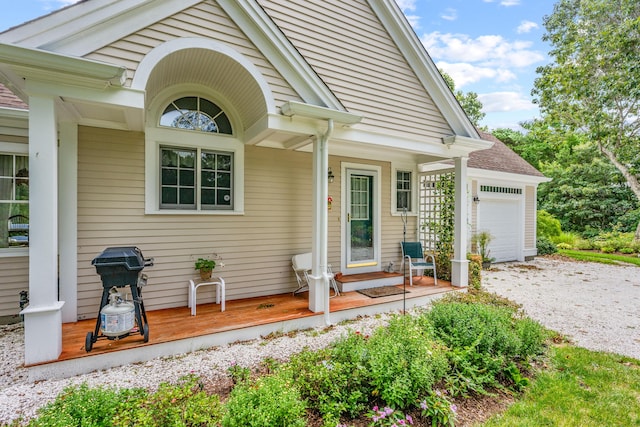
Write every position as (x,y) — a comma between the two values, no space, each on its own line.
(182,404)
(584,245)
(475,272)
(482,340)
(627,251)
(85,406)
(545,246)
(564,246)
(547,225)
(404,361)
(272,400)
(614,240)
(333,381)
(569,239)
(607,249)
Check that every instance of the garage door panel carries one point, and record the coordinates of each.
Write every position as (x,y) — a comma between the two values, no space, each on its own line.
(502,219)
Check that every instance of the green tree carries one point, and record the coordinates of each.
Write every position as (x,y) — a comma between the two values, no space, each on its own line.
(468,101)
(592,86)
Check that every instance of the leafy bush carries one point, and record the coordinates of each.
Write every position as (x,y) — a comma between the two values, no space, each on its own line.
(584,244)
(607,249)
(482,340)
(627,251)
(271,400)
(545,246)
(564,246)
(437,407)
(566,238)
(475,272)
(404,361)
(85,406)
(547,225)
(182,404)
(333,381)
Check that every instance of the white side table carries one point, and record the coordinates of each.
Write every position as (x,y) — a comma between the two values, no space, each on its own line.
(218,282)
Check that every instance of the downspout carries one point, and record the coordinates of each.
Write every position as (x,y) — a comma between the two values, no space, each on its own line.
(320,247)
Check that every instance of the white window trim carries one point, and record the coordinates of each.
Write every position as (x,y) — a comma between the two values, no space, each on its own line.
(14,148)
(157,137)
(401,167)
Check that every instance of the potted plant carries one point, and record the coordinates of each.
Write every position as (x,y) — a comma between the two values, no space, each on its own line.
(481,241)
(205,266)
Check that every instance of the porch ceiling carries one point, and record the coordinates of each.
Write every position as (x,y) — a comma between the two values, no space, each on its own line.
(214,70)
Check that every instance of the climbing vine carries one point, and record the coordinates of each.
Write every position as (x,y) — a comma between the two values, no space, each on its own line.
(437,222)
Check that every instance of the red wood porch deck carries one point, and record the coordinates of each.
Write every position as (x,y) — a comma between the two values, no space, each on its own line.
(169,325)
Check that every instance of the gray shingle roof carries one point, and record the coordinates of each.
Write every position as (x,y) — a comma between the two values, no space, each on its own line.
(500,158)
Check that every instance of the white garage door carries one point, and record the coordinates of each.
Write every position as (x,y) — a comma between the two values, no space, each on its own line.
(502,219)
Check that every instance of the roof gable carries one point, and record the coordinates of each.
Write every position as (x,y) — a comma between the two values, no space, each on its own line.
(9,100)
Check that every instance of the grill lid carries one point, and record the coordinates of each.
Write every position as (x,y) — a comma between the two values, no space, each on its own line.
(129,257)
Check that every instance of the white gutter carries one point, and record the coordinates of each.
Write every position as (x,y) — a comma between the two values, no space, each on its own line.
(36,59)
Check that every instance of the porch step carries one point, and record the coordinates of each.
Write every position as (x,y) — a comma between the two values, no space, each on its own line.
(354,282)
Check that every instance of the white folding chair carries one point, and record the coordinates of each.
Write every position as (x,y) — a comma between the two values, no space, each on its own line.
(302,265)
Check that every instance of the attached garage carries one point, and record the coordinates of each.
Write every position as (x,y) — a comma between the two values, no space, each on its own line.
(503,189)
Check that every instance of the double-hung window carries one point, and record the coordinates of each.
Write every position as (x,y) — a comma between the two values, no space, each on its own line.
(403,190)
(194,162)
(196,179)
(14,200)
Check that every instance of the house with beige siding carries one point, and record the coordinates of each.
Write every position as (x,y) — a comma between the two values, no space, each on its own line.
(189,128)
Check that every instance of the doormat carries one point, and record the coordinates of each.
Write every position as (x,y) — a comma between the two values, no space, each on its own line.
(381,291)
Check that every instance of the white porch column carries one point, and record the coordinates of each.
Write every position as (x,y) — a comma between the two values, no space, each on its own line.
(319,287)
(68,220)
(43,316)
(459,263)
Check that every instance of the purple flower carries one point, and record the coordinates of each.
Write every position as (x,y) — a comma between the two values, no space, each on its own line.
(423,404)
(388,411)
(410,419)
(454,408)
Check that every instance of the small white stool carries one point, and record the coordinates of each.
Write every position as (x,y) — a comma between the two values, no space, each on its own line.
(193,291)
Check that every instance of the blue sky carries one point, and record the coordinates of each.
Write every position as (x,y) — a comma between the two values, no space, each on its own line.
(491,47)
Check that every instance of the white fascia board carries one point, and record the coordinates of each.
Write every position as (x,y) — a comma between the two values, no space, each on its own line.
(417,56)
(476,173)
(26,60)
(271,41)
(122,97)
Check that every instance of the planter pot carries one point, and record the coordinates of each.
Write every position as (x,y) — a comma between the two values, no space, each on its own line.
(205,274)
(486,265)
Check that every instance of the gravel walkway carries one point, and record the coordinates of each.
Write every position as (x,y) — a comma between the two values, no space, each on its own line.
(596,305)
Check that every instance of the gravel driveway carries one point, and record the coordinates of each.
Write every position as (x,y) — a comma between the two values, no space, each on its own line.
(596,305)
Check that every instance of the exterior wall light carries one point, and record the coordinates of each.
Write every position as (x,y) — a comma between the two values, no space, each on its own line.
(330,176)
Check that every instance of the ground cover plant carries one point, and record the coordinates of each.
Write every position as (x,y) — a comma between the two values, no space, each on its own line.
(409,372)
(605,258)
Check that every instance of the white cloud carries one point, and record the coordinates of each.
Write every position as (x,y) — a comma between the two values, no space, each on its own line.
(406,4)
(505,102)
(488,50)
(508,3)
(449,14)
(464,73)
(526,26)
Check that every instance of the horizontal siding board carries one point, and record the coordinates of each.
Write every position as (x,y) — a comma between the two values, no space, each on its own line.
(13,280)
(353,54)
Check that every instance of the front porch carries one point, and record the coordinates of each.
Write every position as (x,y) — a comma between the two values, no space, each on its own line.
(174,331)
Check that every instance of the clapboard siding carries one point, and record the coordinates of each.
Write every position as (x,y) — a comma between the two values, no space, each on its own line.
(14,278)
(256,247)
(353,54)
(205,20)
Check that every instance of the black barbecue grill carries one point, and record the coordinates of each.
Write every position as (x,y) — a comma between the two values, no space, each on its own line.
(119,267)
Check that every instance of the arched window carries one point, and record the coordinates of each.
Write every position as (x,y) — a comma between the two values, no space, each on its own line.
(198,114)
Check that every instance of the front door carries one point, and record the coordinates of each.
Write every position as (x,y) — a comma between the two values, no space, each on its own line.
(362,221)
